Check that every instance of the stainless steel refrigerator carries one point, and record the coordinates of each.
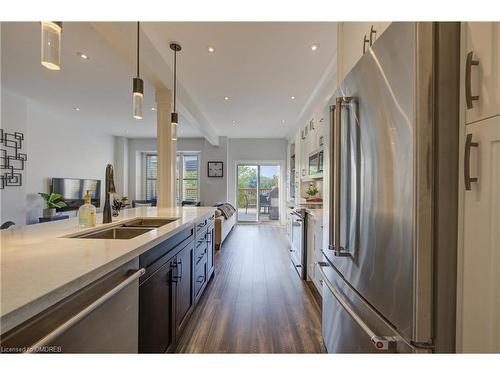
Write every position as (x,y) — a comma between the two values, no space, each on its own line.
(389,269)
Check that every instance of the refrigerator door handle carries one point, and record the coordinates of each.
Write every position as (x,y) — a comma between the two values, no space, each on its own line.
(331,171)
(338,250)
(383,343)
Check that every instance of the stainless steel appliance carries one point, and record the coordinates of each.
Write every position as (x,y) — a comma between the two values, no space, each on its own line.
(316,163)
(390,267)
(298,253)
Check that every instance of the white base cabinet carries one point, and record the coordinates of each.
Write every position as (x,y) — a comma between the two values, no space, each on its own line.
(314,255)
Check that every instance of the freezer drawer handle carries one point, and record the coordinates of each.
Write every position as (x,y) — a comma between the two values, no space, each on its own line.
(379,342)
(467,178)
(85,312)
(468,80)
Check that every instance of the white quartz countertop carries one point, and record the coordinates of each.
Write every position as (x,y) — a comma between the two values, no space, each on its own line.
(40,266)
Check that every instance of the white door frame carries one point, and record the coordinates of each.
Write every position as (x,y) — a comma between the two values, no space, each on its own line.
(281,164)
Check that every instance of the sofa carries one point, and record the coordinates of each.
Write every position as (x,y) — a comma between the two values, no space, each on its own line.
(225,219)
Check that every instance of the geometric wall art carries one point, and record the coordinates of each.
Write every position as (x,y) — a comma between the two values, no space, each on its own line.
(12,160)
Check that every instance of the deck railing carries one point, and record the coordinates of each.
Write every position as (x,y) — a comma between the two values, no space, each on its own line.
(247,197)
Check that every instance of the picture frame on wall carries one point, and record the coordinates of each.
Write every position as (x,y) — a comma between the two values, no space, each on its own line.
(215,169)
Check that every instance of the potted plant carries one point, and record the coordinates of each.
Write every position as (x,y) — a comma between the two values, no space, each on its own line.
(311,191)
(53,201)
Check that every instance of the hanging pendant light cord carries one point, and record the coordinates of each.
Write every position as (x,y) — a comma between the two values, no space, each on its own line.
(175,76)
(137,49)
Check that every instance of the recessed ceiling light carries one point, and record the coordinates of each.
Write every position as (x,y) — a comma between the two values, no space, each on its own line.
(83,55)
(234,122)
(226,98)
(211,49)
(314,47)
(76,109)
(292,97)
(282,121)
(153,108)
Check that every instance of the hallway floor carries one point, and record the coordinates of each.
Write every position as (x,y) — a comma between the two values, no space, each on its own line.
(256,303)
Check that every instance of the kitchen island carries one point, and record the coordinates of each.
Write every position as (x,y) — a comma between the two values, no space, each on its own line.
(44,264)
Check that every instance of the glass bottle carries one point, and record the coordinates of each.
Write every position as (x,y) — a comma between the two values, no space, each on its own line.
(86,213)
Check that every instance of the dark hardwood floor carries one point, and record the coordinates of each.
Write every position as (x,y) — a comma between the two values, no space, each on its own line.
(256,303)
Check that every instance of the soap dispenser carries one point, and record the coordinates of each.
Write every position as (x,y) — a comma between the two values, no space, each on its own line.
(86,213)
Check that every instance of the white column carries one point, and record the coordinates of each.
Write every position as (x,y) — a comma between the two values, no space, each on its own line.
(166,150)
(121,166)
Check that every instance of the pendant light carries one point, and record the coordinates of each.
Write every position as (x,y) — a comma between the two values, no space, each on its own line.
(138,88)
(51,44)
(176,47)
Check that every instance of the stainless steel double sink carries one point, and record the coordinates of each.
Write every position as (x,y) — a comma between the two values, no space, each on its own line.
(126,230)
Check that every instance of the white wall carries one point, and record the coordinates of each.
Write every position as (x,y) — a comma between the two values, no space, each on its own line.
(55,148)
(136,146)
(253,150)
(14,118)
(211,189)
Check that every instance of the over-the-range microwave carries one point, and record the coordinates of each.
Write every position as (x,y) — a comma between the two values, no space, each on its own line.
(316,163)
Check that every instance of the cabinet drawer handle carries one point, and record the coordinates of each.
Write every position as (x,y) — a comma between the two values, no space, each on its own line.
(372,32)
(468,80)
(365,40)
(180,273)
(468,179)
(85,312)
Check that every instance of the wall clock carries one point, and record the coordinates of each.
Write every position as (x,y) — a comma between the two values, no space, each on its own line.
(215,169)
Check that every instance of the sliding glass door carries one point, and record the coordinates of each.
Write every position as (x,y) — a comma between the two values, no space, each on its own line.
(258,193)
(247,192)
(269,201)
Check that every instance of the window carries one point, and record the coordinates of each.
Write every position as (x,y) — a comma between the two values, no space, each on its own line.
(187,177)
(150,174)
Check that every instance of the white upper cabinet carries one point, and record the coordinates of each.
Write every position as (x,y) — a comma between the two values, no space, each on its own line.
(482,74)
(355,38)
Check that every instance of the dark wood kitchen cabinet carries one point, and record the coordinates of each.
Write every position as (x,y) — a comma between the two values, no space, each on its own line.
(204,255)
(156,303)
(165,292)
(177,273)
(211,250)
(165,303)
(184,286)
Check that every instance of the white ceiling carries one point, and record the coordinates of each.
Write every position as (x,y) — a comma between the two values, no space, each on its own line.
(258,65)
(101,86)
